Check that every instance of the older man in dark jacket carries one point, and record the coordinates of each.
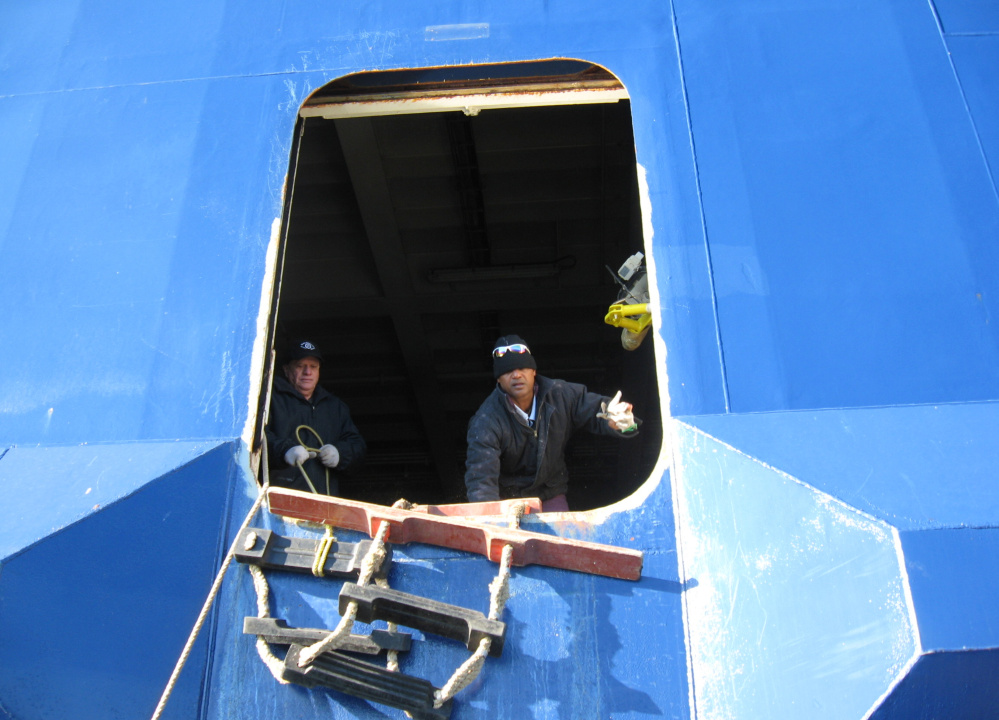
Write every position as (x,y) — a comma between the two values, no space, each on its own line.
(309,430)
(517,438)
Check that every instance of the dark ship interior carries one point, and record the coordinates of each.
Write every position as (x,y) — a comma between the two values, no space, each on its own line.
(415,239)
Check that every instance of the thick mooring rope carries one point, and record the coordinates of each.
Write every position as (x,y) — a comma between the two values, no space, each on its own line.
(499,593)
(273,663)
(391,656)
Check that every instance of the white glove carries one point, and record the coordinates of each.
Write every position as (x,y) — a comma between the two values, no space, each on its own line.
(617,413)
(329,456)
(298,455)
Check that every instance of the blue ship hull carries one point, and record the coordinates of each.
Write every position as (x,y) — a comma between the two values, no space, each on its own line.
(819,213)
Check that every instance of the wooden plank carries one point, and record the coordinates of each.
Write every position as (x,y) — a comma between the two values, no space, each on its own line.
(406,526)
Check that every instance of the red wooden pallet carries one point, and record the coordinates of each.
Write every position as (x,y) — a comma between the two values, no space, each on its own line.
(407,526)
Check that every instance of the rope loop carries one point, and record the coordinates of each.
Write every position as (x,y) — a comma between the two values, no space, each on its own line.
(273,663)
(300,466)
(322,552)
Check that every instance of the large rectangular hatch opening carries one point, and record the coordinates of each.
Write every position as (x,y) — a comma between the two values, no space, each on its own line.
(435,210)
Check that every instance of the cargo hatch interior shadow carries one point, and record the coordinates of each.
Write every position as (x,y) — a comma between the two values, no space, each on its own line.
(432,211)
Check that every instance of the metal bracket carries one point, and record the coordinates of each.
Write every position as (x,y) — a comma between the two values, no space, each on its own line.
(267,549)
(366,681)
(450,621)
(276,630)
(459,534)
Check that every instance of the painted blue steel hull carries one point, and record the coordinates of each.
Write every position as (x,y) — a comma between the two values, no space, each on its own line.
(820,535)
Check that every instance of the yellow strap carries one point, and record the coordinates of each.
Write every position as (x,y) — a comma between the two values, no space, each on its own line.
(322,552)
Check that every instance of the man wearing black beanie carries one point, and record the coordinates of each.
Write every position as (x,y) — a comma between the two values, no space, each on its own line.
(517,438)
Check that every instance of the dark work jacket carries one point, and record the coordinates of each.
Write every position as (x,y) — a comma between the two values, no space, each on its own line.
(327,415)
(507,458)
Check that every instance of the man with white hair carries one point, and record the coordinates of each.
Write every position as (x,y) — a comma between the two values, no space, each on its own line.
(311,438)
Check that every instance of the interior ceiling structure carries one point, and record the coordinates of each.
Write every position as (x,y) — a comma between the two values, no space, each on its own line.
(415,240)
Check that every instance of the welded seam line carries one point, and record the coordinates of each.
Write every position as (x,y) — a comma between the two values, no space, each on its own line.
(964,97)
(700,207)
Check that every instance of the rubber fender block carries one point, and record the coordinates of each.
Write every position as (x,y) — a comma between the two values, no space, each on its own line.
(267,549)
(366,681)
(277,631)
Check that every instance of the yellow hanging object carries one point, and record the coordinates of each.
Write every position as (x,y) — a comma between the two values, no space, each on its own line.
(634,317)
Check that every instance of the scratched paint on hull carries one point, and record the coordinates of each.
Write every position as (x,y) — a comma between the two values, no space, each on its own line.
(800,606)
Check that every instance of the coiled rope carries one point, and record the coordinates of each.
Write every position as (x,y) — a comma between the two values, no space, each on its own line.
(301,467)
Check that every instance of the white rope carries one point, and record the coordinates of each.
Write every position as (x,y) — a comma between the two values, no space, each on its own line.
(499,593)
(499,588)
(516,513)
(372,561)
(216,586)
(391,656)
(465,674)
(275,665)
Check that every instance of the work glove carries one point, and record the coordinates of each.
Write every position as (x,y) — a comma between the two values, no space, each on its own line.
(298,455)
(329,456)
(618,414)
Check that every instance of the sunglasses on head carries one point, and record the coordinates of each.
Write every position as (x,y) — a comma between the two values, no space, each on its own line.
(516,348)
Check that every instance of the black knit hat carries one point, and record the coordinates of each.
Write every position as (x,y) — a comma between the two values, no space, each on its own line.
(509,359)
(302,348)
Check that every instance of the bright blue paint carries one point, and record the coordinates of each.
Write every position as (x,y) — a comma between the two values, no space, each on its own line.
(975,59)
(662,138)
(799,608)
(828,163)
(93,617)
(147,268)
(914,467)
(848,255)
(955,601)
(968,16)
(91,477)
